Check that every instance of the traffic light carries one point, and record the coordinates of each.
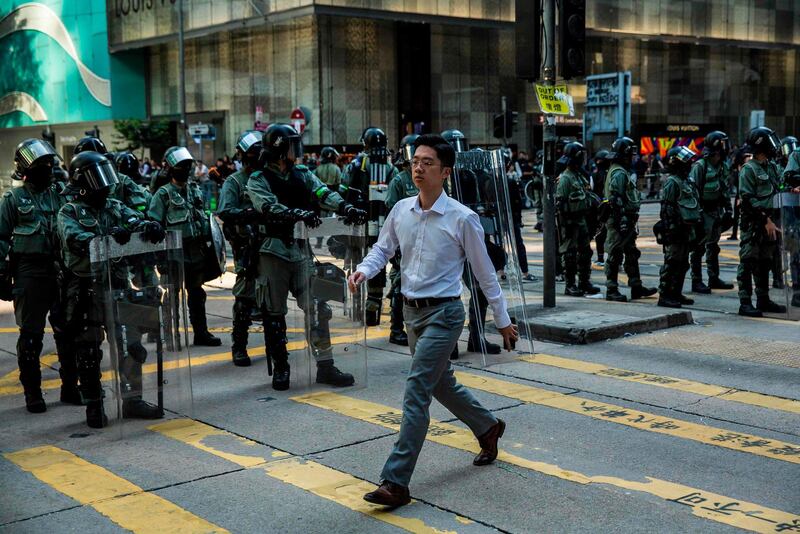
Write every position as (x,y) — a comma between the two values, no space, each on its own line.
(528,38)
(50,137)
(94,132)
(504,124)
(572,37)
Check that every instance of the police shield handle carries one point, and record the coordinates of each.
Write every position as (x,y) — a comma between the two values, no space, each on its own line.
(354,280)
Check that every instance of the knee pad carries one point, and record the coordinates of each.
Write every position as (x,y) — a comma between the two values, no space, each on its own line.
(88,356)
(137,352)
(324,312)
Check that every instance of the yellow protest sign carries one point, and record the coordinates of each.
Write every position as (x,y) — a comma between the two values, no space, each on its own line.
(554,99)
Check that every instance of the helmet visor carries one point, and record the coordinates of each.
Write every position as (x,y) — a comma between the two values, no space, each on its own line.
(295,151)
(30,153)
(247,141)
(460,144)
(788,147)
(684,155)
(178,156)
(408,152)
(100,175)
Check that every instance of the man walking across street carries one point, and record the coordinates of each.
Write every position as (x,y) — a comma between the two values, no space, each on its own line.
(435,234)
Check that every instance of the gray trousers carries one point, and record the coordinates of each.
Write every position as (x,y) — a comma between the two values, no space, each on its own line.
(432,334)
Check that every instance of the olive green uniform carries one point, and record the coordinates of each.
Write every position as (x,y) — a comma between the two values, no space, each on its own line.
(681,217)
(624,201)
(242,234)
(30,254)
(573,203)
(329,174)
(78,224)
(402,186)
(181,209)
(711,182)
(758,184)
(285,264)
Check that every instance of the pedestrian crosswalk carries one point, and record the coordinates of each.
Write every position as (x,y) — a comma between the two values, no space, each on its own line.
(134,508)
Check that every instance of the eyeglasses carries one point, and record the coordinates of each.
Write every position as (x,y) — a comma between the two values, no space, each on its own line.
(424,163)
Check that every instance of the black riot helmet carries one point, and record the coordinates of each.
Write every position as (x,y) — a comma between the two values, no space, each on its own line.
(407,147)
(763,140)
(456,139)
(281,142)
(373,138)
(127,164)
(622,148)
(716,143)
(34,159)
(601,158)
(329,155)
(178,163)
(90,143)
(91,171)
(574,155)
(249,145)
(788,145)
(679,160)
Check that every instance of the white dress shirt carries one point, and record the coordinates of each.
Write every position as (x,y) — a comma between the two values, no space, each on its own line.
(434,244)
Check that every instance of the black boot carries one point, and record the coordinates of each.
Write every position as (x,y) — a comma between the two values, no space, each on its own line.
(640,291)
(277,355)
(197,316)
(88,358)
(717,283)
(666,300)
(68,370)
(454,354)
(131,385)
(747,309)
(242,313)
(686,301)
(571,290)
(397,335)
(588,287)
(700,288)
(615,295)
(764,304)
(29,346)
(570,271)
(329,374)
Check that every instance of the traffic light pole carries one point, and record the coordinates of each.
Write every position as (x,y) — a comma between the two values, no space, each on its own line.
(181,77)
(549,77)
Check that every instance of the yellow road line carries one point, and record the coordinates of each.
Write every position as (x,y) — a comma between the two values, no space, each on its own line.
(323,481)
(680,384)
(702,503)
(708,435)
(124,503)
(9,384)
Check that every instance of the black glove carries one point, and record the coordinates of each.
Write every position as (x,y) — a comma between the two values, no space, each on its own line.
(625,225)
(311,219)
(152,231)
(6,285)
(353,215)
(250,215)
(121,235)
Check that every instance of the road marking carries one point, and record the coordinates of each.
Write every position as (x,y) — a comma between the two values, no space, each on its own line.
(9,383)
(708,435)
(726,510)
(680,384)
(330,484)
(124,503)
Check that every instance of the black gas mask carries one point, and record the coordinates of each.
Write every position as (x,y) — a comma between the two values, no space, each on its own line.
(97,198)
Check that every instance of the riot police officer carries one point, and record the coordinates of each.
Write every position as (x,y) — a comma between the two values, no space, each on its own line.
(470,191)
(759,181)
(328,171)
(364,184)
(601,164)
(128,164)
(93,213)
(282,193)
(790,150)
(178,205)
(126,191)
(29,270)
(402,186)
(241,230)
(710,177)
(624,201)
(681,219)
(574,201)
(790,153)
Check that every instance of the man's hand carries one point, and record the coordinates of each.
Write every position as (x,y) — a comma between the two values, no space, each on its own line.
(510,336)
(354,280)
(772,230)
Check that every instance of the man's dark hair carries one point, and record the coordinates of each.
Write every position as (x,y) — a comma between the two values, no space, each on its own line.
(444,151)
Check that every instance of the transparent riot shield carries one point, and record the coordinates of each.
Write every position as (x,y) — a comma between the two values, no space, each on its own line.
(788,205)
(334,318)
(479,182)
(140,287)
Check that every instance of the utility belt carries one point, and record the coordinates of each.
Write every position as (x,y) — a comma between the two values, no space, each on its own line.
(279,231)
(428,302)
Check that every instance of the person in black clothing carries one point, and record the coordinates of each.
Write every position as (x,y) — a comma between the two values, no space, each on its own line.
(601,164)
(515,195)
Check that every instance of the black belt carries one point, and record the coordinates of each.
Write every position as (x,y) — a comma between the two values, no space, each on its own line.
(424,303)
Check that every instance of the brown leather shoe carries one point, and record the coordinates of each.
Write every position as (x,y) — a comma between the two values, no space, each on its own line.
(488,443)
(389,494)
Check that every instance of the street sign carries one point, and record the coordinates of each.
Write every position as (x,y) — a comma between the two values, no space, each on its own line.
(298,120)
(554,99)
(197,130)
(259,113)
(757,117)
(608,104)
